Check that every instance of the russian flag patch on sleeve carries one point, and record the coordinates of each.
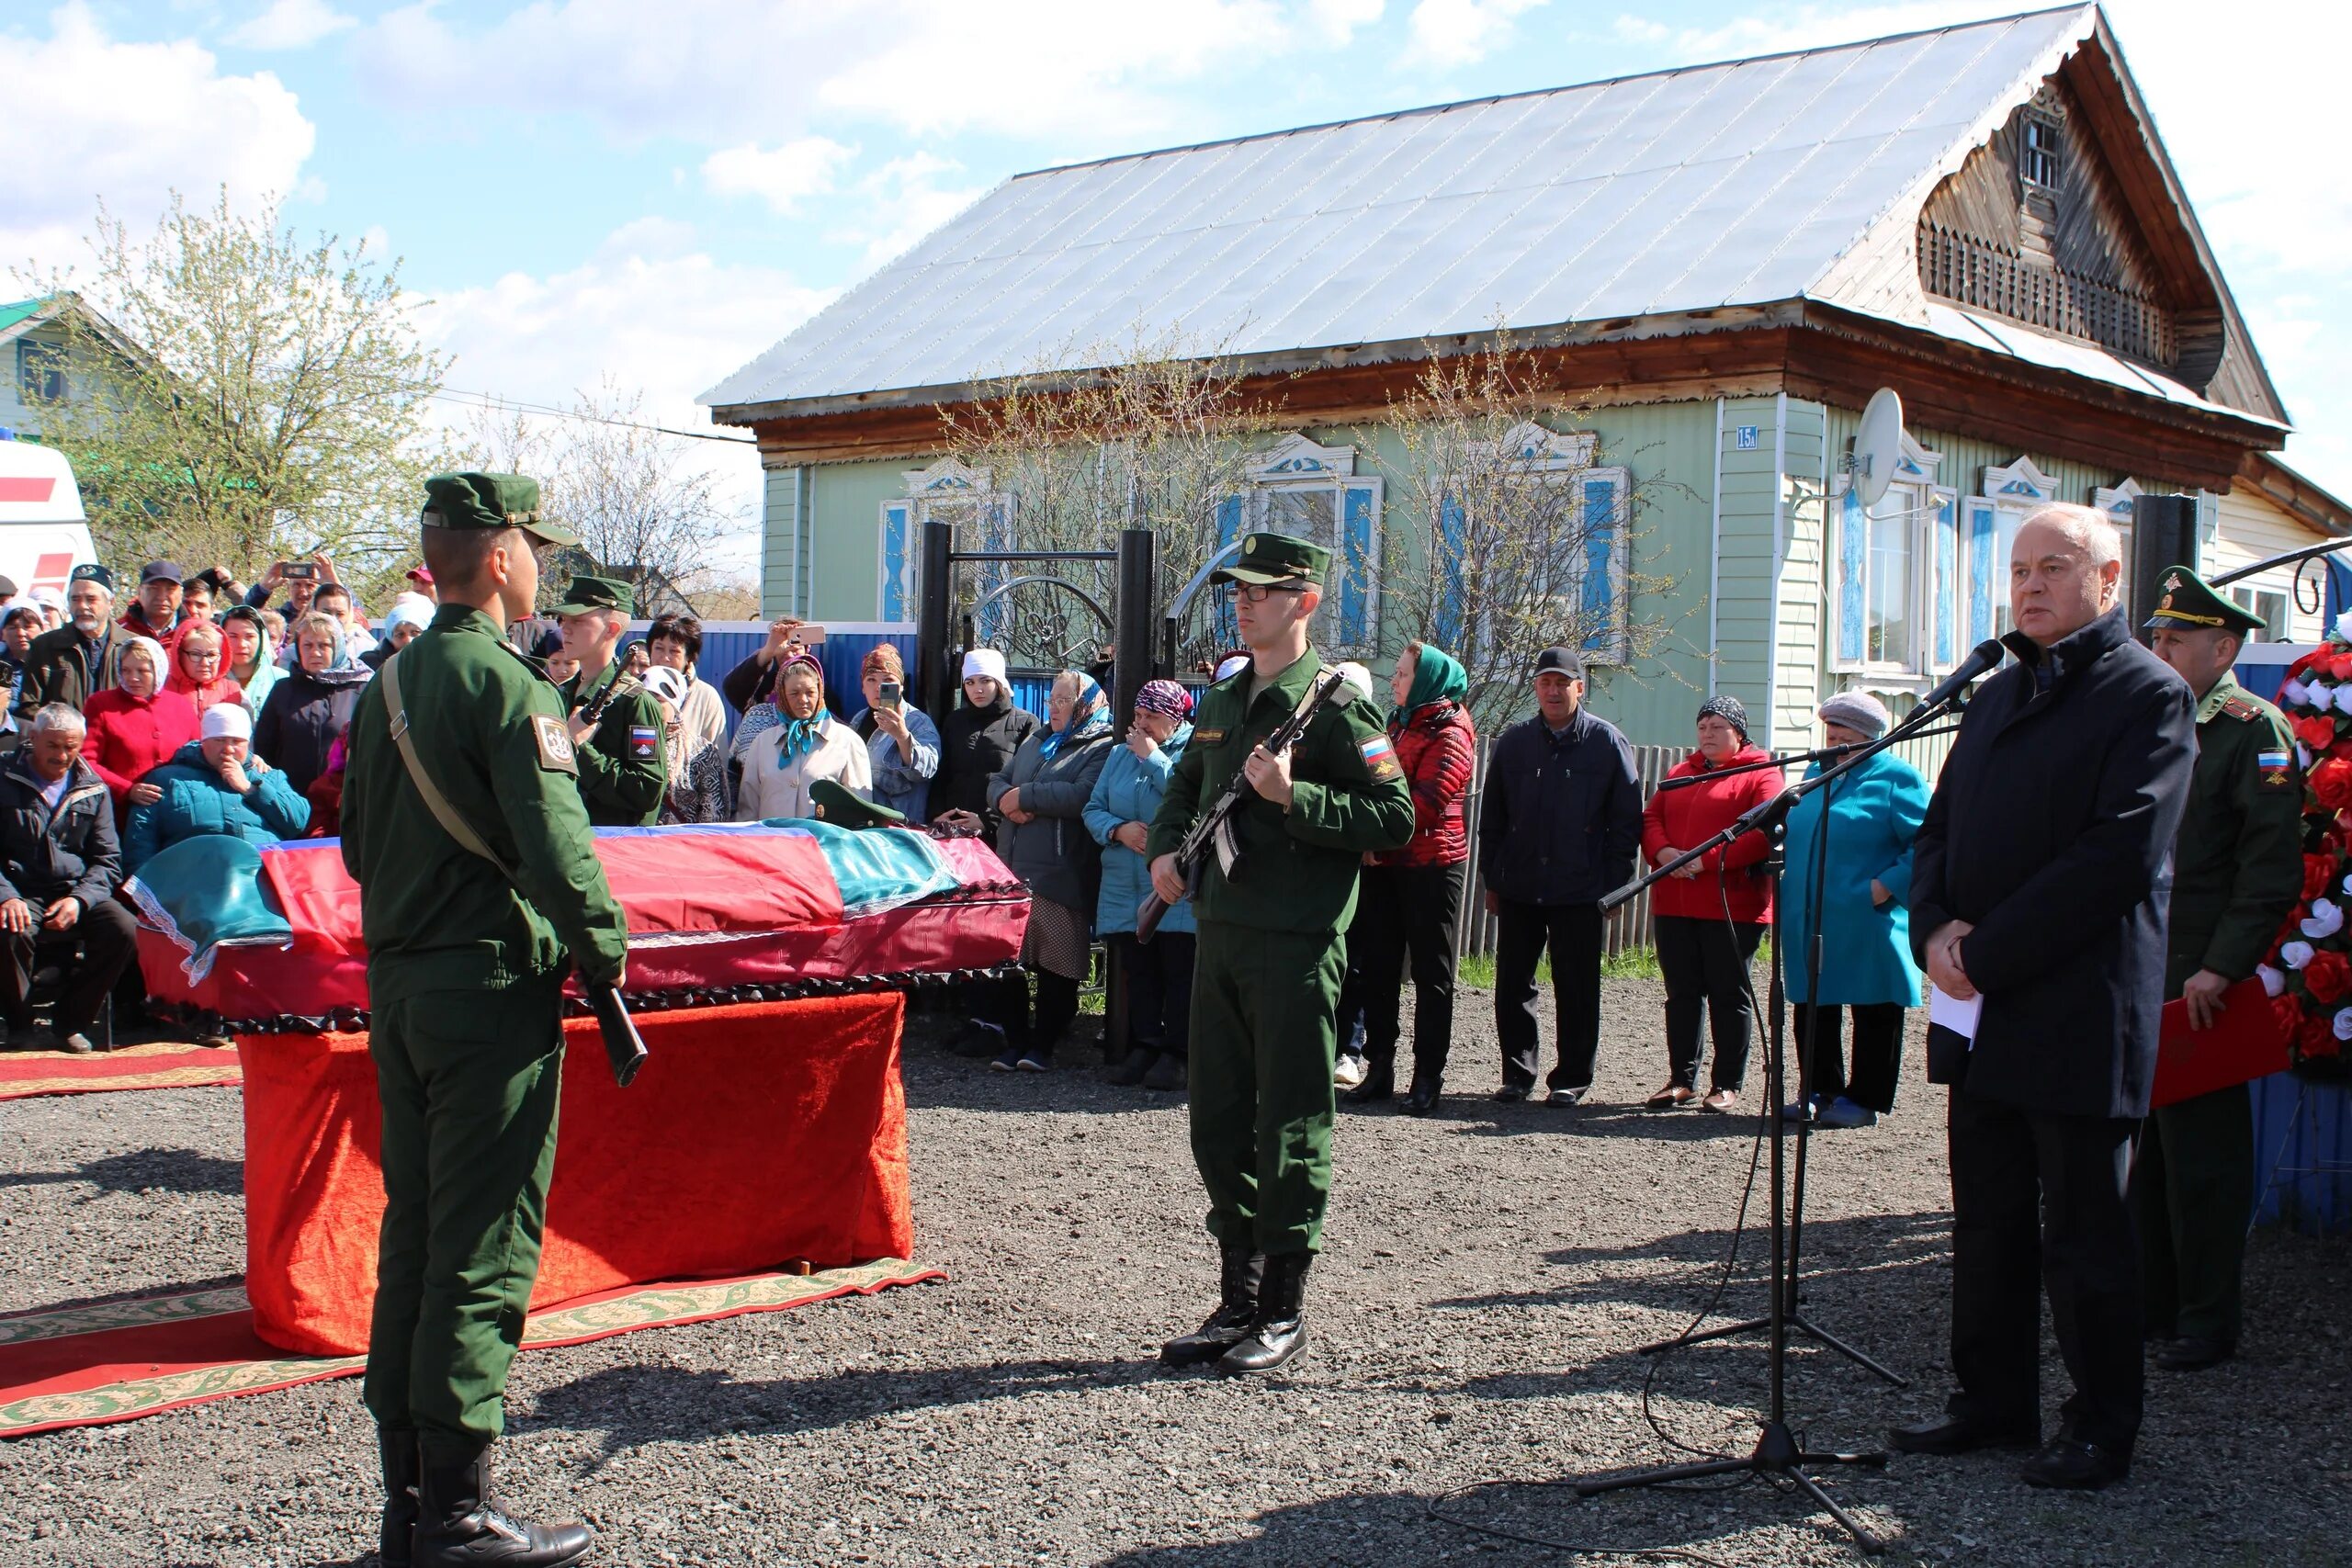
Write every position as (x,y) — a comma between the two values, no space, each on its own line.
(1379,757)
(643,742)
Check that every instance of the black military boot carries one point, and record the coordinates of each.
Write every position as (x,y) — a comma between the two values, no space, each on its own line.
(398,1446)
(1379,1086)
(1240,1271)
(1280,1331)
(459,1524)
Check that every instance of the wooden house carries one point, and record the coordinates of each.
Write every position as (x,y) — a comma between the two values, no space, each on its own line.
(1722,262)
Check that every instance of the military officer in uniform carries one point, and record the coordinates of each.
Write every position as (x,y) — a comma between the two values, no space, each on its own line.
(468,947)
(1267,977)
(2238,872)
(616,722)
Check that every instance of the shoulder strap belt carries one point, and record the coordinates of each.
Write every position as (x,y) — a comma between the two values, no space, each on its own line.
(443,812)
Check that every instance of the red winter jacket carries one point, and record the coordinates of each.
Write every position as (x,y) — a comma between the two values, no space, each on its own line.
(1682,819)
(127,737)
(1438,749)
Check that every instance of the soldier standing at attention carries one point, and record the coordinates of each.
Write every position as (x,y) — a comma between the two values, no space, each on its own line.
(616,722)
(475,884)
(2238,871)
(1266,979)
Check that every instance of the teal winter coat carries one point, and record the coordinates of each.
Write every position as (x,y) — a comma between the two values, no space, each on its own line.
(1129,791)
(1874,813)
(196,801)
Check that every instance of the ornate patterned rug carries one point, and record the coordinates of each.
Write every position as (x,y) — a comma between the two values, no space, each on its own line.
(83,1366)
(24,1074)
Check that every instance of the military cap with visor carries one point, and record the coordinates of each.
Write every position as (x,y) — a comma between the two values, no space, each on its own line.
(2188,602)
(844,808)
(588,593)
(490,501)
(1277,561)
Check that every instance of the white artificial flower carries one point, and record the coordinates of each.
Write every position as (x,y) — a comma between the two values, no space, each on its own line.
(2304,756)
(2344,1023)
(2295,954)
(2347,885)
(2325,920)
(2273,982)
(2343,697)
(2293,694)
(2343,626)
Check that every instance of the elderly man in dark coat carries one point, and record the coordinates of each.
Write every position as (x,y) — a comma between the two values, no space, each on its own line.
(59,868)
(2040,882)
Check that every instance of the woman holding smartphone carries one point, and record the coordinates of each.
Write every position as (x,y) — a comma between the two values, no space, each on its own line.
(901,742)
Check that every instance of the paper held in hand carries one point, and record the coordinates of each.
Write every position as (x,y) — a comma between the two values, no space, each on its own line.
(1951,1012)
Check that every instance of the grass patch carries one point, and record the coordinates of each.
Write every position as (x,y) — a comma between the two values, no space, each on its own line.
(1477,969)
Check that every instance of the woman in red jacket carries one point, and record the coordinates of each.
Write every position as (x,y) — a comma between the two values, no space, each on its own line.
(199,669)
(1409,900)
(135,727)
(1710,916)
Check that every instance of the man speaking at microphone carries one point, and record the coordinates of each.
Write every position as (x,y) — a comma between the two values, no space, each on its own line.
(2040,882)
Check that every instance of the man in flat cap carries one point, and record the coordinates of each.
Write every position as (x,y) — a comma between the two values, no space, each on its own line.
(616,722)
(2238,872)
(80,659)
(1266,980)
(480,890)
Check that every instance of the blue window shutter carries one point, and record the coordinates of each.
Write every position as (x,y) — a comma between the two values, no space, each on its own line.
(894,560)
(1947,639)
(1853,555)
(1227,632)
(1355,569)
(1452,535)
(1602,527)
(1981,584)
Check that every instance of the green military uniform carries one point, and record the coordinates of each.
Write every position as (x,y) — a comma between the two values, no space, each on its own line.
(1269,956)
(2238,871)
(465,971)
(623,769)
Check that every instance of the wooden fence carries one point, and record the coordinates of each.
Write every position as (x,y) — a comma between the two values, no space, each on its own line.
(1629,923)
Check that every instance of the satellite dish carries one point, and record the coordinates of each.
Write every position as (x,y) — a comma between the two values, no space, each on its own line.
(1878,445)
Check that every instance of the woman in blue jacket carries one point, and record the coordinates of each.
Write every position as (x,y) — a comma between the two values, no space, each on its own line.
(1866,967)
(215,785)
(1158,973)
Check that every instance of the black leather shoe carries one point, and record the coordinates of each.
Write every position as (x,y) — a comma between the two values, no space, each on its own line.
(1424,1097)
(460,1525)
(1167,1074)
(2073,1465)
(1379,1087)
(1512,1093)
(397,1447)
(1954,1435)
(1280,1331)
(1240,1271)
(2193,1353)
(1132,1067)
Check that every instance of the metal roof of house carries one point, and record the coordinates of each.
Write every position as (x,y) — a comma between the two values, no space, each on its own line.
(18,311)
(1728,185)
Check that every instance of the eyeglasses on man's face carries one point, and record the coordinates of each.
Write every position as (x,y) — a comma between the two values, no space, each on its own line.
(1258,593)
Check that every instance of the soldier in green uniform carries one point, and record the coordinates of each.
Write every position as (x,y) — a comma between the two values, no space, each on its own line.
(1269,956)
(468,946)
(2238,871)
(616,722)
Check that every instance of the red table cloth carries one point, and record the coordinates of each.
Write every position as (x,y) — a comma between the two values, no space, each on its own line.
(754,1136)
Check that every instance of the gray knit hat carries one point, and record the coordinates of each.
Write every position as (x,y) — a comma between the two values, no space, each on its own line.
(1730,709)
(1857,711)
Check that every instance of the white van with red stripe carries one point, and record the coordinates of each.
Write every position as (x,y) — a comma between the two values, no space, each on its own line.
(43,534)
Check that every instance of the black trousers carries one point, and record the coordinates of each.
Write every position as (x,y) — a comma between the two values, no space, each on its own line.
(1005,1003)
(1877,1051)
(2193,1189)
(1159,976)
(2040,1202)
(1573,933)
(95,952)
(1705,966)
(1407,914)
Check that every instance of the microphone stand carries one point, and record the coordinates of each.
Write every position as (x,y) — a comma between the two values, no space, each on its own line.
(1790,759)
(1777,1455)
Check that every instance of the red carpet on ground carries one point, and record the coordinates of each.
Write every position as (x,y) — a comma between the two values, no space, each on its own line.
(25,1074)
(120,1360)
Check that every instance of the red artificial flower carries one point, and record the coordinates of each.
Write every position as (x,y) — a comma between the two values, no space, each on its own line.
(2289,1011)
(2340,665)
(2316,733)
(2295,670)
(2319,871)
(2327,977)
(2316,1037)
(2341,748)
(2331,782)
(2327,1048)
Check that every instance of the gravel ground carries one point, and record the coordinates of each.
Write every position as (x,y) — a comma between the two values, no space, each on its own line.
(1490,1273)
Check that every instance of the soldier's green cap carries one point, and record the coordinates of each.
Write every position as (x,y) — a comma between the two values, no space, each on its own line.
(2186,601)
(596,593)
(844,809)
(1277,561)
(490,501)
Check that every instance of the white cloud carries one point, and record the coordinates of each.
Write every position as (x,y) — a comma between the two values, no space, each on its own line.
(291,24)
(905,201)
(782,175)
(1338,20)
(1462,32)
(89,116)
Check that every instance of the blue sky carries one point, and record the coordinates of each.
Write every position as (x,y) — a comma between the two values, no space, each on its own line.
(649,194)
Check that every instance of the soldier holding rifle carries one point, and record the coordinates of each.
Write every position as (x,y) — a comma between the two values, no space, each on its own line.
(1274,896)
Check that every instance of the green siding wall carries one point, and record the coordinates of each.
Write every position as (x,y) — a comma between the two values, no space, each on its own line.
(1798,594)
(784,544)
(1747,554)
(845,567)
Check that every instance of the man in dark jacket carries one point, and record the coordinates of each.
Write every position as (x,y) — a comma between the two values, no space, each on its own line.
(1559,827)
(59,868)
(2039,881)
(80,657)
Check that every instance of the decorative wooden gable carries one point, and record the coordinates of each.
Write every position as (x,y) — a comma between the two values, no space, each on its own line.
(1297,457)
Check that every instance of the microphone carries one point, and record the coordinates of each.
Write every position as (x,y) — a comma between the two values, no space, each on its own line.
(1986,657)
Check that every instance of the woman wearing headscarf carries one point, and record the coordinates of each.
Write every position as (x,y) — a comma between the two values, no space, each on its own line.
(1410,900)
(807,743)
(1874,812)
(310,706)
(902,743)
(1158,973)
(197,671)
(136,727)
(696,791)
(977,742)
(405,622)
(1039,798)
(247,656)
(1710,916)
